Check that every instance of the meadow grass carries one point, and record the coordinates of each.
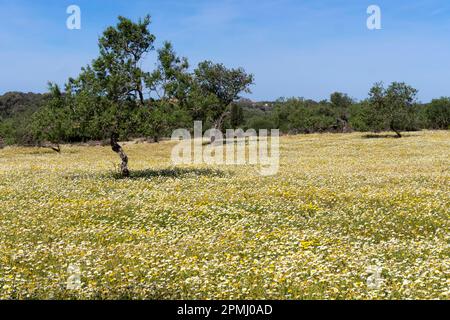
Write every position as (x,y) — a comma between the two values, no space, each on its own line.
(340,204)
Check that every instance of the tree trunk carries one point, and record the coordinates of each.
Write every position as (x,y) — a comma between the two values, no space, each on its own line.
(218,124)
(346,126)
(118,149)
(55,148)
(343,125)
(399,135)
(141,96)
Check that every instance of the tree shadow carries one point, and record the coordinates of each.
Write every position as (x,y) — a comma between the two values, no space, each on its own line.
(170,173)
(380,136)
(387,136)
(225,142)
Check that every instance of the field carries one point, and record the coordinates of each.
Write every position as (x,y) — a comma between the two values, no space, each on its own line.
(341,207)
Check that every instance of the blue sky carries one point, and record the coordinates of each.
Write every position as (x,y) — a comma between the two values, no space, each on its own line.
(306,48)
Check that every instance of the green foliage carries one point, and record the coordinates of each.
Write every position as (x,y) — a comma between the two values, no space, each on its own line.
(171,79)
(220,86)
(341,103)
(52,123)
(105,99)
(438,113)
(359,119)
(237,116)
(160,120)
(122,48)
(13,104)
(297,115)
(259,123)
(392,108)
(16,110)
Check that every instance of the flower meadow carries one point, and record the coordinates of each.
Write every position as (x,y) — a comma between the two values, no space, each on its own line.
(346,217)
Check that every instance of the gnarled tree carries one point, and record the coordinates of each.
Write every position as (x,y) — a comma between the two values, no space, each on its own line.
(109,91)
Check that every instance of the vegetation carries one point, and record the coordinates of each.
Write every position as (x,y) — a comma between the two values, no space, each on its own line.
(16,110)
(340,204)
(21,124)
(438,114)
(223,85)
(115,99)
(392,108)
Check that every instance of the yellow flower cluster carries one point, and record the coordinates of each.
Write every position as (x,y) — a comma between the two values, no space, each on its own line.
(340,205)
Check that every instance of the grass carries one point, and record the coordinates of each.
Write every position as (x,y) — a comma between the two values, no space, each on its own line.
(339,205)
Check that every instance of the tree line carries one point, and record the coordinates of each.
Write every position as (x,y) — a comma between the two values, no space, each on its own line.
(394,108)
(115,99)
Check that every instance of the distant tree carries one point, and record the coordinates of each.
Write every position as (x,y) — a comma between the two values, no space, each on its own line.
(438,113)
(297,115)
(391,108)
(281,113)
(16,113)
(341,104)
(220,86)
(49,126)
(259,123)
(359,119)
(18,103)
(245,103)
